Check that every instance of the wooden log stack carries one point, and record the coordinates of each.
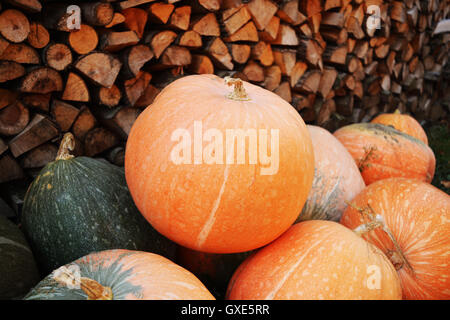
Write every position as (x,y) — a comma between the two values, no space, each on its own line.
(335,61)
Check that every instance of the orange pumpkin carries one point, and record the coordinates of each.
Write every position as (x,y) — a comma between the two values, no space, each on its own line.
(120,275)
(382,152)
(336,178)
(404,123)
(416,218)
(199,187)
(313,260)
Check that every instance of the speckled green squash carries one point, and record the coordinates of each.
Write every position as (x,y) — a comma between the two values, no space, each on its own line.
(120,275)
(80,205)
(18,270)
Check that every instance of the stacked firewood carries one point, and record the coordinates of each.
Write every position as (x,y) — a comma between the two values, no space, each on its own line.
(335,61)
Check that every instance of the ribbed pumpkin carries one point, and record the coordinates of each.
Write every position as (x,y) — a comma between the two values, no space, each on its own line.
(314,260)
(404,123)
(120,275)
(79,205)
(214,270)
(382,152)
(18,270)
(204,195)
(416,221)
(336,178)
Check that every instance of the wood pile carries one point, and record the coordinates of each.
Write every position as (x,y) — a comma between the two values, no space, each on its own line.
(326,57)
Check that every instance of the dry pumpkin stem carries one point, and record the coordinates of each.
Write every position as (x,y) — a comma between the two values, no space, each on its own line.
(239,92)
(397,257)
(67,144)
(93,289)
(368,155)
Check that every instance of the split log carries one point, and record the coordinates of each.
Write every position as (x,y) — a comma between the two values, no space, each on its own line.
(39,156)
(240,53)
(57,56)
(40,130)
(97,13)
(10,70)
(41,80)
(160,12)
(20,53)
(99,67)
(99,140)
(134,88)
(64,114)
(135,20)
(181,18)
(14,25)
(159,41)
(10,169)
(84,40)
(116,41)
(206,25)
(134,58)
(109,97)
(13,119)
(83,123)
(201,64)
(190,39)
(37,101)
(75,89)
(7,97)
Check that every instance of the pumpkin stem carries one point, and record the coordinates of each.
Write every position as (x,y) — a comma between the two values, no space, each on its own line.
(67,144)
(239,91)
(93,289)
(396,256)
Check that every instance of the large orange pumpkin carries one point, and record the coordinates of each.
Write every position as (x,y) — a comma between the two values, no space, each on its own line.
(120,275)
(336,178)
(417,217)
(382,152)
(198,187)
(313,260)
(404,123)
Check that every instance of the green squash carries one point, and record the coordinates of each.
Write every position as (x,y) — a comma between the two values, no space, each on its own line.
(76,206)
(18,270)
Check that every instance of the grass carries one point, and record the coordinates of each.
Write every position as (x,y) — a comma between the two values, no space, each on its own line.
(439,142)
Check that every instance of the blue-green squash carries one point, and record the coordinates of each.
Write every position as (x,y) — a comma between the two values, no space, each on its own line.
(120,275)
(18,270)
(78,205)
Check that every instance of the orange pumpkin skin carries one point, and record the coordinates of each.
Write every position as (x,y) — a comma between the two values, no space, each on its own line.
(404,123)
(218,208)
(382,152)
(418,215)
(131,275)
(336,178)
(313,260)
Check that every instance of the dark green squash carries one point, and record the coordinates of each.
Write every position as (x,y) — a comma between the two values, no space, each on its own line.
(18,270)
(79,205)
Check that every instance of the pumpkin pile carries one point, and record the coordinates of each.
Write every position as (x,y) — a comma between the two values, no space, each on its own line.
(227,194)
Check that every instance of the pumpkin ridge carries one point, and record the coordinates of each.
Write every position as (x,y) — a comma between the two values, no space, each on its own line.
(376,127)
(271,295)
(206,229)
